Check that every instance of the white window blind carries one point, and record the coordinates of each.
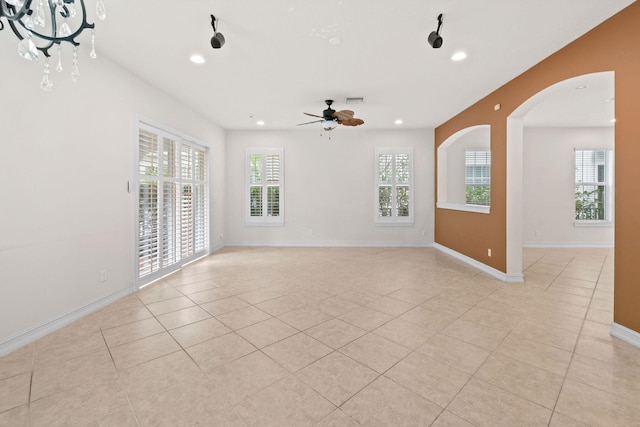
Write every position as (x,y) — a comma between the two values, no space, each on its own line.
(394,186)
(593,185)
(478,177)
(172,202)
(265,201)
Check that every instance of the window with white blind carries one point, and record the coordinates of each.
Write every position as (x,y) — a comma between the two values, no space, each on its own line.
(478,177)
(394,186)
(172,184)
(593,185)
(265,195)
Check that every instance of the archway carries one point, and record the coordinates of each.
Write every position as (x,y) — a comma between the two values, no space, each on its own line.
(515,161)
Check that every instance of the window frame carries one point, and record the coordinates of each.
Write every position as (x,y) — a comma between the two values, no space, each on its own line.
(264,219)
(607,183)
(394,219)
(178,243)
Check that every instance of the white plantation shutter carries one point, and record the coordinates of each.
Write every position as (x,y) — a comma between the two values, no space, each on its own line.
(201,218)
(172,202)
(200,201)
(170,198)
(478,177)
(403,190)
(394,186)
(264,187)
(385,184)
(593,185)
(273,184)
(186,221)
(255,185)
(149,234)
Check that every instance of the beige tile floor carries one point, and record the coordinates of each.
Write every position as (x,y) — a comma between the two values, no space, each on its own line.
(339,337)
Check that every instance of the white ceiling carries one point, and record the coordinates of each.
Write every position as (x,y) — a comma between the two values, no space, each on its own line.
(278,62)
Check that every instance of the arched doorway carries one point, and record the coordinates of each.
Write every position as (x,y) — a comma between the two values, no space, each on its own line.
(577,114)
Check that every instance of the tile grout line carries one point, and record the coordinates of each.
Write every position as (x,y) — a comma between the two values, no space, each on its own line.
(575,346)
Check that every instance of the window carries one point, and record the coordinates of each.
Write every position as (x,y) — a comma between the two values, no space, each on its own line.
(394,186)
(593,185)
(172,202)
(265,197)
(453,171)
(478,177)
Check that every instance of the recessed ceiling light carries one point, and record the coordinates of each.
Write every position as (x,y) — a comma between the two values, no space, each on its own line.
(398,122)
(197,59)
(260,122)
(458,56)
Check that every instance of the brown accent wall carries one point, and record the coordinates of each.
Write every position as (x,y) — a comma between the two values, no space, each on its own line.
(612,46)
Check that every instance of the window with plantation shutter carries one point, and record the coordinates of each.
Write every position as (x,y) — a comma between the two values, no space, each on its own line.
(593,197)
(265,199)
(172,203)
(394,186)
(478,177)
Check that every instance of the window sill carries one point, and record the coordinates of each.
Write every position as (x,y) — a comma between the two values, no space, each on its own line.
(265,223)
(465,208)
(394,223)
(601,224)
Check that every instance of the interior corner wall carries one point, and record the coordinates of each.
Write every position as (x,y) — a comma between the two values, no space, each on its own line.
(614,45)
(549,186)
(329,187)
(65,164)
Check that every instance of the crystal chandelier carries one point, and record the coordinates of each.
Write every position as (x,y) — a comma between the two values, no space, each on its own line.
(41,24)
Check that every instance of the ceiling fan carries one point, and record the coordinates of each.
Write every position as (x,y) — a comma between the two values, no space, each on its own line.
(331,118)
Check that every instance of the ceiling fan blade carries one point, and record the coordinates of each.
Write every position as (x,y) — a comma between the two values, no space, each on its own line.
(343,114)
(351,122)
(308,123)
(313,115)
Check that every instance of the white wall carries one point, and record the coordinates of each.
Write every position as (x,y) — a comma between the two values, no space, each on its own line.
(549,186)
(329,187)
(65,213)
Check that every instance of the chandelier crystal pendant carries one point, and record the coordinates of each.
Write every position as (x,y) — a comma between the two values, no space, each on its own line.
(41,24)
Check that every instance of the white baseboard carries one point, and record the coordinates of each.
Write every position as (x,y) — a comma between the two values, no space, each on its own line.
(332,244)
(562,245)
(625,334)
(216,248)
(24,338)
(509,278)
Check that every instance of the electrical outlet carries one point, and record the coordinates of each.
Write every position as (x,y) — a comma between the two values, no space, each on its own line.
(104,275)
(489,252)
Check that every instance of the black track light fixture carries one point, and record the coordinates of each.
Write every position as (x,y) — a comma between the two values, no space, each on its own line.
(434,38)
(217,41)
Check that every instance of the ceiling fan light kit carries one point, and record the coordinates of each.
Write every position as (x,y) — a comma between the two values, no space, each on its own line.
(217,41)
(434,39)
(329,125)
